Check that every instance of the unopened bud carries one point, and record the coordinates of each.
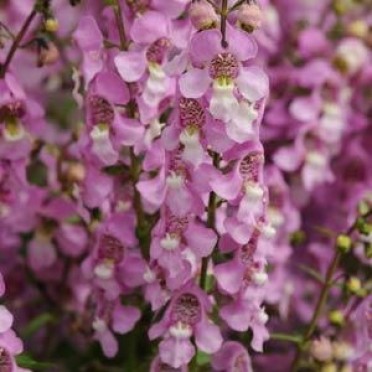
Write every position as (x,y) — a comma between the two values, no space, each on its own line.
(354,285)
(351,55)
(368,250)
(340,7)
(342,351)
(321,349)
(250,17)
(76,172)
(358,28)
(336,317)
(346,368)
(343,243)
(51,25)
(48,55)
(329,367)
(202,15)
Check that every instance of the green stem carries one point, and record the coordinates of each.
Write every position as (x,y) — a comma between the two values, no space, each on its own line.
(224,13)
(120,24)
(285,337)
(328,282)
(143,227)
(211,221)
(318,308)
(16,43)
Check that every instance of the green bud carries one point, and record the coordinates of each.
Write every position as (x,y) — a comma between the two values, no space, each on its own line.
(336,317)
(343,243)
(354,285)
(298,238)
(363,207)
(368,250)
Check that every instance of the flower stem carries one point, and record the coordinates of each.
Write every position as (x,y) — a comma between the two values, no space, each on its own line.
(120,24)
(285,337)
(211,221)
(323,296)
(224,13)
(143,227)
(16,43)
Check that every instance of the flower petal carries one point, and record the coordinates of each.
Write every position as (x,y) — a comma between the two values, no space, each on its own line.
(208,337)
(149,27)
(194,83)
(131,65)
(253,83)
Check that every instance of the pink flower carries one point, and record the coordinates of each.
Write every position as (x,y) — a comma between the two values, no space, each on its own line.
(222,69)
(232,357)
(244,314)
(90,40)
(186,316)
(113,317)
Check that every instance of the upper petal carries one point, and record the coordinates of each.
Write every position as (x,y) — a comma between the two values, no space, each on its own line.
(131,65)
(241,44)
(149,27)
(208,337)
(110,86)
(194,83)
(253,83)
(205,45)
(88,35)
(6,319)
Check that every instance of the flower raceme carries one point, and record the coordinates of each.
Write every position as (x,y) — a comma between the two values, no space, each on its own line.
(165,173)
(142,199)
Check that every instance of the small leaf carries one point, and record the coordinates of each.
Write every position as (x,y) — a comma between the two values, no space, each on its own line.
(202,358)
(37,173)
(26,361)
(313,273)
(37,323)
(297,339)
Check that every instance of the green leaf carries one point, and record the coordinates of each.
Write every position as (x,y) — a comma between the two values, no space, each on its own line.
(297,339)
(37,173)
(202,358)
(313,273)
(37,323)
(26,361)
(115,170)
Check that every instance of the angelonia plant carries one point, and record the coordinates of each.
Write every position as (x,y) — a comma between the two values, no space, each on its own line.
(185,185)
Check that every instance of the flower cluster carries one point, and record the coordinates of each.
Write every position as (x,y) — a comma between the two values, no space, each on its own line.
(181,181)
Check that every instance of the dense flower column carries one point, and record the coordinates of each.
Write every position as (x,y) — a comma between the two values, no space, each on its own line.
(22,122)
(10,344)
(214,123)
(327,205)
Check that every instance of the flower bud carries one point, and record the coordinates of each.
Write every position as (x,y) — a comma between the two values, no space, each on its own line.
(75,172)
(202,15)
(340,7)
(368,250)
(351,55)
(336,317)
(321,349)
(250,17)
(358,29)
(354,285)
(48,55)
(346,368)
(342,351)
(51,25)
(329,367)
(343,243)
